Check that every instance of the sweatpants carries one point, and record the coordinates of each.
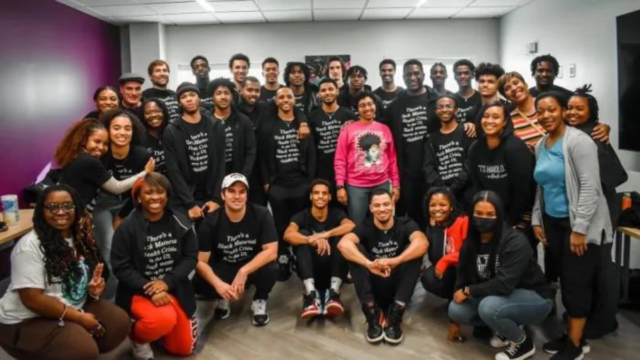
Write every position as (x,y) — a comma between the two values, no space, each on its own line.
(578,274)
(169,322)
(286,202)
(263,279)
(413,188)
(43,339)
(440,287)
(384,291)
(320,268)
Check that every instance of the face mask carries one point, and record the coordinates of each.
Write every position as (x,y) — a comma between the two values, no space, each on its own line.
(484,225)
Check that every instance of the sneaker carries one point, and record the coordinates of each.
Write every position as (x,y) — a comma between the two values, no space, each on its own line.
(332,304)
(223,309)
(375,319)
(260,316)
(284,268)
(142,351)
(498,341)
(311,305)
(568,352)
(392,331)
(516,351)
(554,346)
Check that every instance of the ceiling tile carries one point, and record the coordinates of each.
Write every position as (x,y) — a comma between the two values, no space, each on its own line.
(138,19)
(231,6)
(433,13)
(108,2)
(269,5)
(391,3)
(201,18)
(240,17)
(72,3)
(479,3)
(339,4)
(482,12)
(446,3)
(177,8)
(385,14)
(121,10)
(294,15)
(327,15)
(163,1)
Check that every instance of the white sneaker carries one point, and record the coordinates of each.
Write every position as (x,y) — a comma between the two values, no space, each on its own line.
(498,341)
(223,309)
(142,351)
(260,316)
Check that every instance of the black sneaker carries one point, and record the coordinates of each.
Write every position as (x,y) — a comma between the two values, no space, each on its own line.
(375,318)
(332,306)
(284,268)
(392,330)
(516,351)
(554,346)
(568,352)
(311,305)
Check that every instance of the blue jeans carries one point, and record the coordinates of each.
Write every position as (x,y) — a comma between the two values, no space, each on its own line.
(358,200)
(503,314)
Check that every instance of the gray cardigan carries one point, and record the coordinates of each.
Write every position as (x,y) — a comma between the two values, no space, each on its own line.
(588,210)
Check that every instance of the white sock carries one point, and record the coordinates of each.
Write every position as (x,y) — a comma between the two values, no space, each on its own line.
(336,282)
(401,303)
(309,285)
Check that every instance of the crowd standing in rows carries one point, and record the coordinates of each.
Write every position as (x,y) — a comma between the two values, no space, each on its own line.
(384,188)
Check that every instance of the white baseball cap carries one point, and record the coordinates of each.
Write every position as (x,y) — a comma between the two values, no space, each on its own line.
(232,179)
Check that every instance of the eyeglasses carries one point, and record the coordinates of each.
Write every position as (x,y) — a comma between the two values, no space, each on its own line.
(54,208)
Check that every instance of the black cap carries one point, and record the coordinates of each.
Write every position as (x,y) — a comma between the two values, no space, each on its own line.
(187,86)
(130,77)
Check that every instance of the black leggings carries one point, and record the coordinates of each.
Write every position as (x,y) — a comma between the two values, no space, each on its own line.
(440,287)
(286,202)
(578,274)
(320,268)
(383,291)
(263,279)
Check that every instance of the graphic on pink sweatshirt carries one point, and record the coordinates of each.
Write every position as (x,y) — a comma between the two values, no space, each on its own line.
(369,150)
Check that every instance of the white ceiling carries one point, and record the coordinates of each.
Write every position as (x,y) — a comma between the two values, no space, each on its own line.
(183,12)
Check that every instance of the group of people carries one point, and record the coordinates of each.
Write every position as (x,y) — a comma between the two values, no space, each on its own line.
(225,184)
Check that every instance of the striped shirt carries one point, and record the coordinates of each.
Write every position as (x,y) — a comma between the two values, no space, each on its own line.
(527,129)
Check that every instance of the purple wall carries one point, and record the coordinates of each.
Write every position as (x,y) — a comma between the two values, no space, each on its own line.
(52,59)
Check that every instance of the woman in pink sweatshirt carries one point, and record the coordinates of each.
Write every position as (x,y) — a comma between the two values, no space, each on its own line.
(365,160)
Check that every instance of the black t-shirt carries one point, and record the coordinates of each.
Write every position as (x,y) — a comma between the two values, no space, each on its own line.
(86,175)
(386,244)
(228,144)
(466,106)
(306,221)
(236,243)
(132,164)
(482,261)
(302,101)
(155,148)
(160,248)
(268,95)
(326,129)
(451,152)
(197,141)
(413,112)
(285,135)
(169,98)
(388,97)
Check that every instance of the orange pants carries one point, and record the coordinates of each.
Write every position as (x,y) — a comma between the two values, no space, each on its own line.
(168,321)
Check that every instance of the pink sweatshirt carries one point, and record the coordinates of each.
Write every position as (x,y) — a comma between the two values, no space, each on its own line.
(365,156)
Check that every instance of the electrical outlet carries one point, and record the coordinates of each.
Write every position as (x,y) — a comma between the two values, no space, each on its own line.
(572,70)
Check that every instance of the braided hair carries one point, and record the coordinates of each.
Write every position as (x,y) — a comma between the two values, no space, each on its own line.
(585,92)
(61,260)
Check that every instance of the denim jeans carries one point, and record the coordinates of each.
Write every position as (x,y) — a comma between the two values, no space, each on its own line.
(503,314)
(358,200)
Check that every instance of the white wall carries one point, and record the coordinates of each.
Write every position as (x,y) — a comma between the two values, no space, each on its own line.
(367,42)
(146,43)
(581,32)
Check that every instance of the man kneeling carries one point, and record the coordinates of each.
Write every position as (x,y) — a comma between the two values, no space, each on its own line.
(314,234)
(384,257)
(238,247)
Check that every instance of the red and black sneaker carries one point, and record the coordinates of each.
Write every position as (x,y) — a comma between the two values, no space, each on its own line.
(332,304)
(311,305)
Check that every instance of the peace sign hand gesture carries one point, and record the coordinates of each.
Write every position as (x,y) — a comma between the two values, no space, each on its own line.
(97,284)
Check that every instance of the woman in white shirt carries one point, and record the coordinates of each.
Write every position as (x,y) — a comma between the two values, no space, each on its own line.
(52,308)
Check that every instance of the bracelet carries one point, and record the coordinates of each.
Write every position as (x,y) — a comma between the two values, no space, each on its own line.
(64,312)
(303,123)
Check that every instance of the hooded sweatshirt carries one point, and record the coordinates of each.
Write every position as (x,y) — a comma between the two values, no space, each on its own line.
(242,145)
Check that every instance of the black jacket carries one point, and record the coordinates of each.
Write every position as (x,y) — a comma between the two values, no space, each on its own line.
(179,170)
(514,267)
(431,165)
(127,260)
(244,142)
(267,145)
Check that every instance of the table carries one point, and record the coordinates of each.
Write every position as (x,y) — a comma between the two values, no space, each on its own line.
(24,226)
(623,248)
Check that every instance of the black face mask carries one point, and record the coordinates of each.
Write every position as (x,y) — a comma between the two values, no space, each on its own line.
(484,225)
